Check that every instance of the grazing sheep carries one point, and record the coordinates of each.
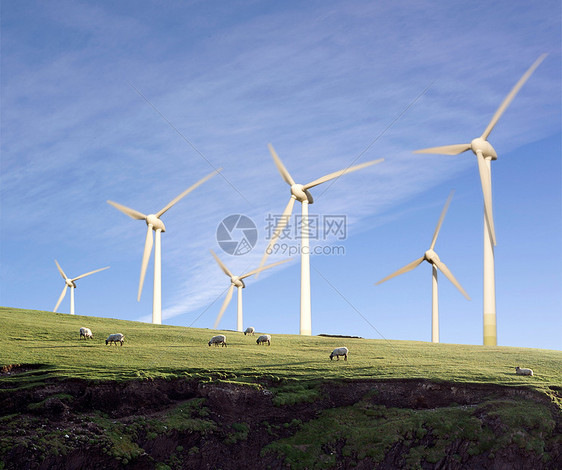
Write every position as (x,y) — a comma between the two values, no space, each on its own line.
(219,339)
(115,338)
(264,339)
(86,333)
(339,352)
(520,371)
(249,331)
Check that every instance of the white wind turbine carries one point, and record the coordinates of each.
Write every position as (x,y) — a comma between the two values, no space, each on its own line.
(299,192)
(154,223)
(431,257)
(237,281)
(485,153)
(70,283)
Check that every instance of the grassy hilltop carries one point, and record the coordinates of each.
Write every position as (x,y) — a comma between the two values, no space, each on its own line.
(52,340)
(166,400)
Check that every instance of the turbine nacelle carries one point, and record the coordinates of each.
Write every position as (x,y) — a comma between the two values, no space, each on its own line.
(70,283)
(156,223)
(431,256)
(237,282)
(484,147)
(301,194)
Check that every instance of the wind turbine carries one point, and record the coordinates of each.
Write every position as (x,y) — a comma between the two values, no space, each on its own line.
(154,223)
(485,153)
(70,283)
(299,192)
(237,281)
(432,258)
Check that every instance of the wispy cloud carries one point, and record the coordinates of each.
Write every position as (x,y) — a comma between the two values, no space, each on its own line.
(318,83)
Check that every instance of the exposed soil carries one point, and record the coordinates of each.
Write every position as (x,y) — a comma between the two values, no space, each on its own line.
(78,425)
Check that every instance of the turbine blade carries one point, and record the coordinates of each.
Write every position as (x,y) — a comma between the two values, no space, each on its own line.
(128,211)
(61,297)
(487,193)
(224,304)
(403,270)
(61,271)
(443,212)
(337,174)
(145,257)
(259,270)
(279,164)
(277,232)
(446,149)
(87,274)
(449,275)
(509,98)
(222,266)
(187,191)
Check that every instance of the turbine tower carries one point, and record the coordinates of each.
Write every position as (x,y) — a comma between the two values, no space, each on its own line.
(155,224)
(237,281)
(485,153)
(431,257)
(299,192)
(72,284)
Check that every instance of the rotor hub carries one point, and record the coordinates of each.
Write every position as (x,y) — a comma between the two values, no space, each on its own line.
(430,256)
(237,282)
(156,223)
(484,147)
(301,194)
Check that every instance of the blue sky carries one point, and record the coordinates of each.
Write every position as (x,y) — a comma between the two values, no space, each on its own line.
(136,101)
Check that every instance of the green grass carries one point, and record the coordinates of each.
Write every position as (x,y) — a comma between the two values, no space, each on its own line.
(51,340)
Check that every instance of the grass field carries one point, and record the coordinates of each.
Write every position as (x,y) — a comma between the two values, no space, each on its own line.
(52,340)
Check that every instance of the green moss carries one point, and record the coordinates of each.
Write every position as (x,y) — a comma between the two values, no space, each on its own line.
(240,433)
(191,416)
(61,396)
(294,393)
(368,430)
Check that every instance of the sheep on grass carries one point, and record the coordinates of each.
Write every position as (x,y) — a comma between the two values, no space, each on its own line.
(249,331)
(343,351)
(86,333)
(115,338)
(520,371)
(219,339)
(264,339)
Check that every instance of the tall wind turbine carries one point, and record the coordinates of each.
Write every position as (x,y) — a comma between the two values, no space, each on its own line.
(237,281)
(485,153)
(299,192)
(70,283)
(154,223)
(431,257)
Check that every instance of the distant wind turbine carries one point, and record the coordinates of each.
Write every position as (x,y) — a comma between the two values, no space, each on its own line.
(237,281)
(431,257)
(154,223)
(72,284)
(299,192)
(485,153)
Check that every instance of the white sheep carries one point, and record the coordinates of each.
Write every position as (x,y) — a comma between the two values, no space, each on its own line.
(115,338)
(249,331)
(264,339)
(343,351)
(520,371)
(86,333)
(219,339)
